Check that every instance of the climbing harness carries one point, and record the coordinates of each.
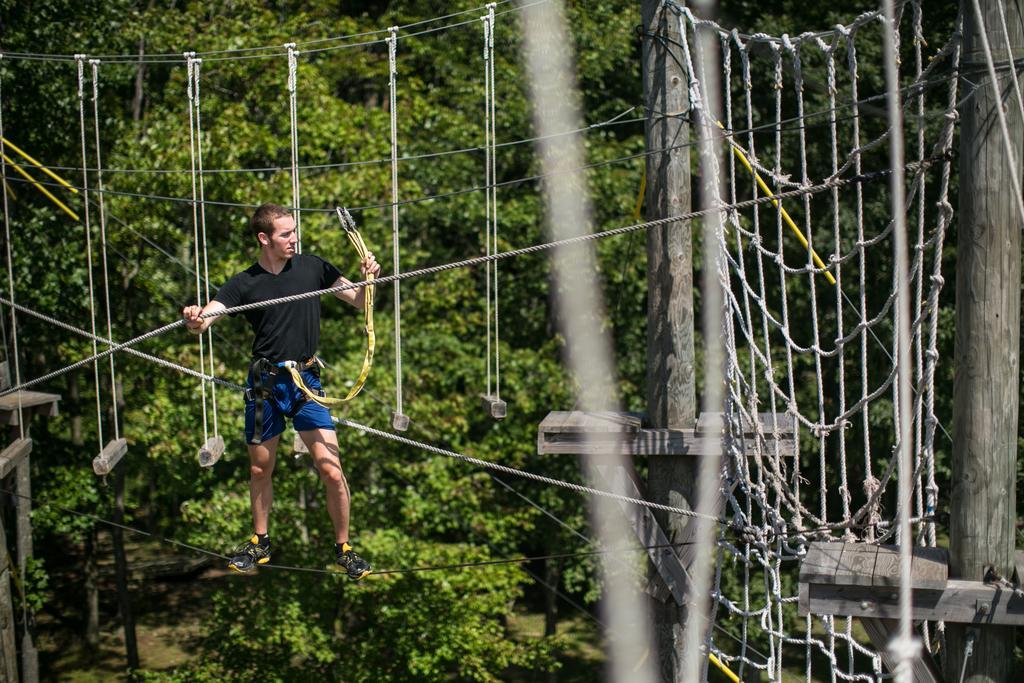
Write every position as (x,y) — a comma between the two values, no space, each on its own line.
(263,371)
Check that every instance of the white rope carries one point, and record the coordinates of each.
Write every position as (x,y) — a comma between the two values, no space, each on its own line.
(488,182)
(192,66)
(80,63)
(293,115)
(392,87)
(95,65)
(905,645)
(12,358)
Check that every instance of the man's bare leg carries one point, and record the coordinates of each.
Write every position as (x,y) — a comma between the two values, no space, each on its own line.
(323,446)
(261,488)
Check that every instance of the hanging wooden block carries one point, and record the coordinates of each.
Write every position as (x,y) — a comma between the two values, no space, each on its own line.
(399,422)
(299,446)
(495,407)
(111,454)
(211,451)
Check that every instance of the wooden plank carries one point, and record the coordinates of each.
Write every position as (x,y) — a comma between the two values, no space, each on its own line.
(32,403)
(664,558)
(11,456)
(578,421)
(856,565)
(819,565)
(882,632)
(645,442)
(887,566)
(1018,567)
(965,602)
(111,454)
(211,451)
(930,568)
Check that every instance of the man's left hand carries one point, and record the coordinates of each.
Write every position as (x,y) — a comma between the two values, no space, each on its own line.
(369,266)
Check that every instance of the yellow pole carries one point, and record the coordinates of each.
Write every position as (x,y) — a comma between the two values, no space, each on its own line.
(42,189)
(38,165)
(723,668)
(785,216)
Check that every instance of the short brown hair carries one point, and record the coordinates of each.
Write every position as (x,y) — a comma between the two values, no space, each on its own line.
(263,219)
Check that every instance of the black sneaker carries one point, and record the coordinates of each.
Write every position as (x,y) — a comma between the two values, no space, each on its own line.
(353,565)
(246,556)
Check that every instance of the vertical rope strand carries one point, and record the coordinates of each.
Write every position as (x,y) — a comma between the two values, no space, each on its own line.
(205,250)
(191,64)
(493,190)
(95,65)
(293,114)
(80,63)
(13,358)
(488,183)
(392,41)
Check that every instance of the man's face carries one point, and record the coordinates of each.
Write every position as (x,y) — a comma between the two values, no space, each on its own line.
(282,243)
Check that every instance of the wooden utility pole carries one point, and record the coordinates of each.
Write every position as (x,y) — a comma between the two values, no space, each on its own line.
(985,388)
(671,393)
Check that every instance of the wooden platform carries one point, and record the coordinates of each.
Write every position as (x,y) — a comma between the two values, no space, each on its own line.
(610,433)
(861,580)
(32,403)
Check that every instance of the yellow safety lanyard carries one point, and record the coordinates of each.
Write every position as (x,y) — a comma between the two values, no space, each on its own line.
(349,225)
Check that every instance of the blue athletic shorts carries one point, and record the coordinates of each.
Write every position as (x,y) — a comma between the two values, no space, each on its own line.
(287,401)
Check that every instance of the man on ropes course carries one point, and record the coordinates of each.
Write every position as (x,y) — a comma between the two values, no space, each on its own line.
(286,339)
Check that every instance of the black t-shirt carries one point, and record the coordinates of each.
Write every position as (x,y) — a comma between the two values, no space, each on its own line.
(289,331)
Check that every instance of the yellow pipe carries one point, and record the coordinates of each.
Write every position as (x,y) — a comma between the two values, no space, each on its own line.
(724,669)
(42,189)
(38,165)
(785,216)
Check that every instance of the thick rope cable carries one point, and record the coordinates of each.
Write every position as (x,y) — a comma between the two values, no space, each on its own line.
(95,66)
(110,342)
(905,648)
(393,114)
(293,117)
(80,63)
(191,89)
(465,263)
(12,358)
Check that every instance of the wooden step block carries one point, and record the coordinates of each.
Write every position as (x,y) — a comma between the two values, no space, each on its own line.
(495,407)
(299,446)
(211,451)
(111,454)
(399,422)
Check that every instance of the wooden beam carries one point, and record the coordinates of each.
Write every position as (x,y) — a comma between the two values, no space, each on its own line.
(663,557)
(23,542)
(986,354)
(495,407)
(580,433)
(32,403)
(963,602)
(882,632)
(111,454)
(8,640)
(12,456)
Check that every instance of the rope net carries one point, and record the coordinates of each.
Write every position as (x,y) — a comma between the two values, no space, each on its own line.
(811,320)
